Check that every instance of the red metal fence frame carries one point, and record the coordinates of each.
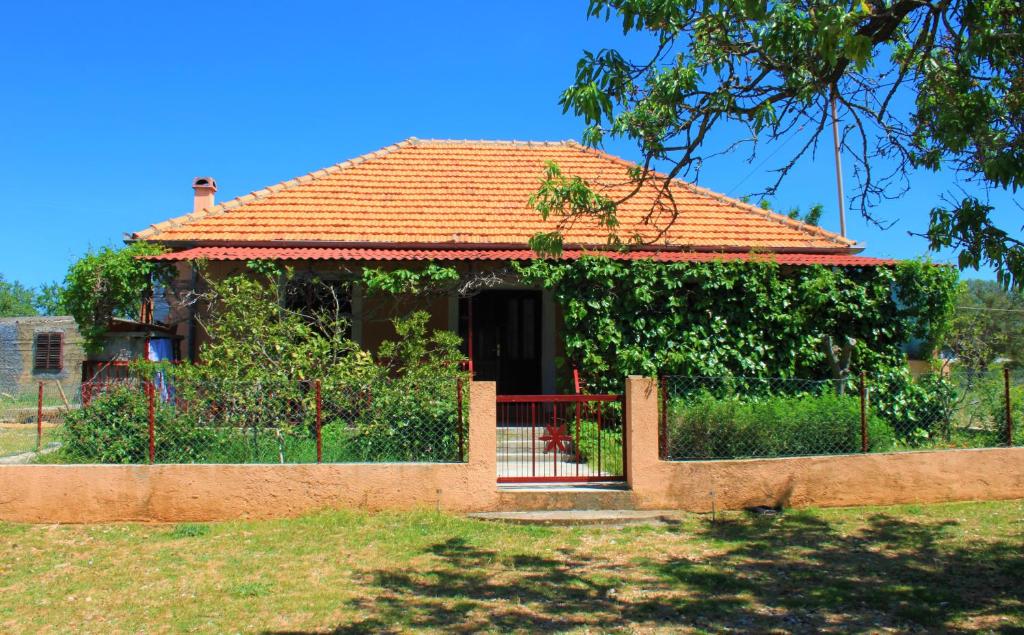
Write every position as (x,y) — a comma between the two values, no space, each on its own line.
(579,399)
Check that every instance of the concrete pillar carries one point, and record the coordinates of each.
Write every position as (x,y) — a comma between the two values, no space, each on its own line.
(641,430)
(483,429)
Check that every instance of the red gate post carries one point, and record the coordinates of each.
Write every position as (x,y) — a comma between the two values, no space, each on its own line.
(1009,410)
(863,414)
(319,439)
(554,426)
(458,388)
(150,398)
(533,439)
(577,448)
(626,418)
(39,419)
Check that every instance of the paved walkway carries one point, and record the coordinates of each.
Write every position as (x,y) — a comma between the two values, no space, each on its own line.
(612,517)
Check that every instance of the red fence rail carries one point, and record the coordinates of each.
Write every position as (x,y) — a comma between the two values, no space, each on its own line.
(560,438)
(116,370)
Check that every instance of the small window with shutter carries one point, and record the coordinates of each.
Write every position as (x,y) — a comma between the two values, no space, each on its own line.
(49,354)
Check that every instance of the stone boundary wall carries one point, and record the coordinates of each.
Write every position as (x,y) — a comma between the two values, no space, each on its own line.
(175,493)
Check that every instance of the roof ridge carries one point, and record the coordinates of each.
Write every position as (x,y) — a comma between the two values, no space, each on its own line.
(154,229)
(766,213)
(494,142)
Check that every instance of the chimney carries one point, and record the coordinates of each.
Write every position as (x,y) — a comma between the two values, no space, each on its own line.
(204,187)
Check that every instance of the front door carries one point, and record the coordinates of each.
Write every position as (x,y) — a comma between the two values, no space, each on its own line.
(506,339)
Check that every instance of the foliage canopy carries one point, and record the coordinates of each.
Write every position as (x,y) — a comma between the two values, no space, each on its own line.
(748,319)
(108,283)
(919,85)
(988,323)
(16,299)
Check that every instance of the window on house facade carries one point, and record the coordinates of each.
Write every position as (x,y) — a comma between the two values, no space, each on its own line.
(314,296)
(49,352)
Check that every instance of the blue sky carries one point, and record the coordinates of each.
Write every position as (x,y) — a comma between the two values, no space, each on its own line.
(110,109)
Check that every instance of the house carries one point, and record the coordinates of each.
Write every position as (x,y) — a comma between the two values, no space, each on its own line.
(38,349)
(49,350)
(126,341)
(465,203)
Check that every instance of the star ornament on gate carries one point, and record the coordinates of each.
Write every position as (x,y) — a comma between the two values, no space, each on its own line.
(555,437)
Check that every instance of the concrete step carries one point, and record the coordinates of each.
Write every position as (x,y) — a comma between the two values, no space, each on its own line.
(609,517)
(590,496)
(527,456)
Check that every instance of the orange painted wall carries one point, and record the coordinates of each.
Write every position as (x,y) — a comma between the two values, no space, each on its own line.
(823,481)
(171,493)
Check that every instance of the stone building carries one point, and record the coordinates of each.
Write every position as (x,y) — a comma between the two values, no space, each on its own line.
(40,348)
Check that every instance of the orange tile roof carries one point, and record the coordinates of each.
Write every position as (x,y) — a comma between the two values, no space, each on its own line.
(466,193)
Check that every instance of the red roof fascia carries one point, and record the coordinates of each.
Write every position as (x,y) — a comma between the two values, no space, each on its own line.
(344,253)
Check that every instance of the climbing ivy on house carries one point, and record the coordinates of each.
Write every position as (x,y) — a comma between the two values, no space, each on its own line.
(429,279)
(756,319)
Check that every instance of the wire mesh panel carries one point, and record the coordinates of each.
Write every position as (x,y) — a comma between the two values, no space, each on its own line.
(959,409)
(18,413)
(30,419)
(401,423)
(163,419)
(740,417)
(230,421)
(560,438)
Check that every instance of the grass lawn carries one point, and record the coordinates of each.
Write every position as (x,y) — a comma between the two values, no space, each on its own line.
(19,438)
(953,566)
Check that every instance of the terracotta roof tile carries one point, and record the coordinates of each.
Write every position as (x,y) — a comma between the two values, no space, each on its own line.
(476,192)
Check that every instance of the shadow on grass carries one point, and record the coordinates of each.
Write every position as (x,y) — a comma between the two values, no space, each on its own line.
(796,572)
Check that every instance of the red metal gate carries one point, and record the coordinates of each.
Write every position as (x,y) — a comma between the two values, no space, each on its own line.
(560,438)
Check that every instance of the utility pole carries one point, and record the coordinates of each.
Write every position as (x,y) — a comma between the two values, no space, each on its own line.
(839,165)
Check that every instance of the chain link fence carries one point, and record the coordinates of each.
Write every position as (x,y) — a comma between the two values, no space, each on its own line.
(742,417)
(177,420)
(30,419)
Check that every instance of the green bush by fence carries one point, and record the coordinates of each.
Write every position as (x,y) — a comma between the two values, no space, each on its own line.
(390,421)
(703,426)
(114,428)
(608,458)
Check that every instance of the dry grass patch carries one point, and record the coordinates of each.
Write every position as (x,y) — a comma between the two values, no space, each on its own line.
(17,438)
(957,566)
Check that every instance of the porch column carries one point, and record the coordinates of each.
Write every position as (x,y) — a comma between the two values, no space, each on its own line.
(357,314)
(547,343)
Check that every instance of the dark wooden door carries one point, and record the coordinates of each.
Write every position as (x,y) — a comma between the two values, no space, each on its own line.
(506,340)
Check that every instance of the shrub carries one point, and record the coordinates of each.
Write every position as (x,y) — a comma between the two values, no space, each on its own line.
(254,392)
(409,423)
(413,416)
(997,413)
(705,427)
(917,410)
(114,428)
(610,450)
